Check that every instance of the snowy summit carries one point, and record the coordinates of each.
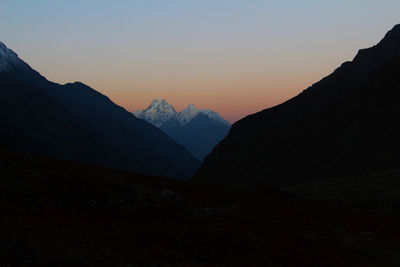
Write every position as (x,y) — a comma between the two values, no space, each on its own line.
(157,113)
(160,112)
(198,130)
(187,114)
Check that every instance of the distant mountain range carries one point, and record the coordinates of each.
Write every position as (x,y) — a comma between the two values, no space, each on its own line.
(346,124)
(197,130)
(75,122)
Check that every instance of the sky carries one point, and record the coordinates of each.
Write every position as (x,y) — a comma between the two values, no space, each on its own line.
(236,57)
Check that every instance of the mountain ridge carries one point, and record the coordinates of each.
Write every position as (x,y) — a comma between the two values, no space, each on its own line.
(128,142)
(330,129)
(161,110)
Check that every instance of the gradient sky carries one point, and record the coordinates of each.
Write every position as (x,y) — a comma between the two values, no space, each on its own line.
(235,57)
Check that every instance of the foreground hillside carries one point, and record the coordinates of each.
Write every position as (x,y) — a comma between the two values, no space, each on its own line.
(65,213)
(376,191)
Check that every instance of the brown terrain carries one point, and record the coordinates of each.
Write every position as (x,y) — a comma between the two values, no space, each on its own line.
(63,213)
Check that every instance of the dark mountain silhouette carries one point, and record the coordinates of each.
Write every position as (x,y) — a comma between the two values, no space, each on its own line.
(348,123)
(36,123)
(199,131)
(75,122)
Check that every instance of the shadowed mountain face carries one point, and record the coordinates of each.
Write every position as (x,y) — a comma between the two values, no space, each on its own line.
(74,121)
(33,122)
(199,136)
(199,131)
(348,123)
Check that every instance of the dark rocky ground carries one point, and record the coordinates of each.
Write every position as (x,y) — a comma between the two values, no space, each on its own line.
(62,213)
(373,192)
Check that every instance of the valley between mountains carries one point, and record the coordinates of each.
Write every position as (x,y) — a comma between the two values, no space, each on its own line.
(313,181)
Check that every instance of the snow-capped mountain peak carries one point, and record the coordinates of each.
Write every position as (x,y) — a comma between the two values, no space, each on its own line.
(161,106)
(8,58)
(160,111)
(187,114)
(157,113)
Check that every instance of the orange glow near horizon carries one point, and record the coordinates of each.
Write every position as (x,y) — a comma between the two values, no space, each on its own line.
(232,98)
(234,57)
